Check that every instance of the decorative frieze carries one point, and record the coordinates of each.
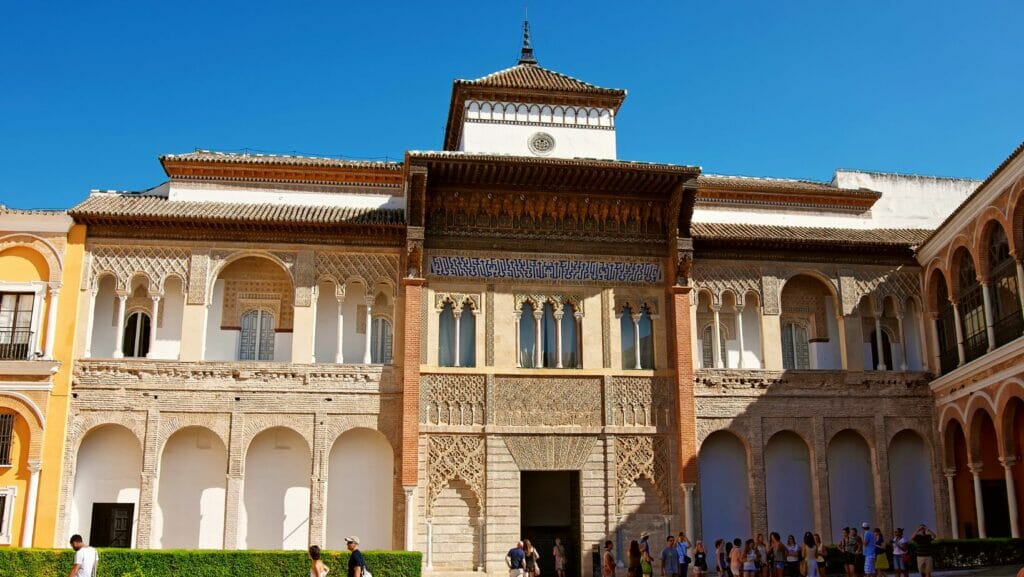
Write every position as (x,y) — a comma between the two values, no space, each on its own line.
(755,381)
(455,457)
(641,401)
(643,456)
(570,271)
(547,402)
(367,269)
(550,452)
(453,400)
(155,263)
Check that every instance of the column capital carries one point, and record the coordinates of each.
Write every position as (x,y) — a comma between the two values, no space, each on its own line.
(122,295)
(156,297)
(688,487)
(54,288)
(949,473)
(35,466)
(975,468)
(1008,461)
(369,299)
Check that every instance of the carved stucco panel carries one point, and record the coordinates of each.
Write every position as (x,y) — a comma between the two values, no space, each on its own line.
(455,457)
(642,456)
(528,401)
(550,452)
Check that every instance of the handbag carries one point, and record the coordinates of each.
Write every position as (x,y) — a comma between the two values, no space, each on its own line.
(803,567)
(882,561)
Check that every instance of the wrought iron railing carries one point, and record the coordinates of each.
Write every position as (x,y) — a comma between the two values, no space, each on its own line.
(15,344)
(975,346)
(1008,328)
(949,360)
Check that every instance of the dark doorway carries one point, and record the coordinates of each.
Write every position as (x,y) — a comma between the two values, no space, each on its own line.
(112,525)
(550,509)
(997,513)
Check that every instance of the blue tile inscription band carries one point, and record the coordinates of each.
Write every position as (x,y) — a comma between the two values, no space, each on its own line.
(580,271)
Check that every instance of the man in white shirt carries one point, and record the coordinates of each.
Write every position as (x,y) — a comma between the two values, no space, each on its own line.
(86,559)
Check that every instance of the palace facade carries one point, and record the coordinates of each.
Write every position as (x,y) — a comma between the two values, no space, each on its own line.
(518,335)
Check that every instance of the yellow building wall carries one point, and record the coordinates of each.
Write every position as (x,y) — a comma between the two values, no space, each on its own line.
(57,407)
(17,476)
(23,264)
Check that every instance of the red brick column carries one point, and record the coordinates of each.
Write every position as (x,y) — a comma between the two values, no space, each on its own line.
(411,380)
(682,356)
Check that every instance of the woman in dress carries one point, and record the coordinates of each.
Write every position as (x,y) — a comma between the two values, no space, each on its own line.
(792,557)
(316,567)
(608,561)
(778,551)
(633,568)
(809,552)
(721,558)
(749,558)
(558,552)
(530,559)
(882,555)
(820,559)
(700,560)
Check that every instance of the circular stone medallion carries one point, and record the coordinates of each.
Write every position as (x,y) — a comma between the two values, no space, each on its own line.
(542,143)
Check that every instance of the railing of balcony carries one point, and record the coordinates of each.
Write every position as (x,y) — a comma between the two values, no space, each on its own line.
(948,360)
(1008,328)
(15,344)
(975,346)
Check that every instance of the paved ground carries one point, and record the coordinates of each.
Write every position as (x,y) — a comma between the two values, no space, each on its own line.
(1004,571)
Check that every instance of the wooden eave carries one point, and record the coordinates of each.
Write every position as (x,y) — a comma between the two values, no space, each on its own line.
(242,171)
(284,232)
(772,248)
(463,92)
(776,195)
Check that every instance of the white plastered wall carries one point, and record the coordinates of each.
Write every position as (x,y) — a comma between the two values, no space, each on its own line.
(189,511)
(724,494)
(168,336)
(910,482)
(103,330)
(788,485)
(108,470)
(514,139)
(275,505)
(360,490)
(850,483)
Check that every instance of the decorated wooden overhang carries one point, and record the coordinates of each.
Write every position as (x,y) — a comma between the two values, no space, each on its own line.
(217,166)
(773,242)
(464,194)
(725,190)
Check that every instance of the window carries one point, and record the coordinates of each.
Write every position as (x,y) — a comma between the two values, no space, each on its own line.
(7,495)
(446,337)
(1007,321)
(707,352)
(886,349)
(257,342)
(527,337)
(16,325)
(465,327)
(945,325)
(570,338)
(972,310)
(6,438)
(549,336)
(795,349)
(136,335)
(467,337)
(380,346)
(637,339)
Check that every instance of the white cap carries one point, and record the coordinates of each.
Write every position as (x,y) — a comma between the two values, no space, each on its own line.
(352,539)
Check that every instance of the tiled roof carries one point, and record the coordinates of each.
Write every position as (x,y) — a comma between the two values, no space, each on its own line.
(277,159)
(809,235)
(4,209)
(782,184)
(106,206)
(533,77)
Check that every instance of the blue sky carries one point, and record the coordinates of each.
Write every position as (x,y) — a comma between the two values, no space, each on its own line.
(92,92)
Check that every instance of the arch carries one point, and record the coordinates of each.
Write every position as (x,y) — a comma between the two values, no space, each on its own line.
(811,299)
(960,249)
(979,403)
(722,465)
(275,505)
(24,263)
(1007,395)
(788,486)
(463,513)
(937,280)
(910,480)
(983,448)
(1015,208)
(360,498)
(956,458)
(54,262)
(222,265)
(189,511)
(989,221)
(108,469)
(850,481)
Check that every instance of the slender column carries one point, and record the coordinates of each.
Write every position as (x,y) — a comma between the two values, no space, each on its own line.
(880,365)
(938,345)
(153,316)
(367,358)
(558,338)
(1011,495)
(122,300)
(961,351)
(458,323)
(538,352)
(688,507)
(481,526)
(903,343)
(579,340)
(51,321)
(739,334)
(519,351)
(90,319)
(339,351)
(410,529)
(990,324)
(951,493)
(979,505)
(636,339)
(1020,283)
(31,500)
(716,340)
(430,544)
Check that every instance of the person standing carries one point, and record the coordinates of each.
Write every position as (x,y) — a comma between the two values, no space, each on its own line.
(923,538)
(683,549)
(700,560)
(316,566)
(820,558)
(356,563)
(635,557)
(645,554)
(86,559)
(792,557)
(670,558)
(900,554)
(809,552)
(848,547)
(514,560)
(749,558)
(736,558)
(762,555)
(558,552)
(778,554)
(720,557)
(869,549)
(608,560)
(881,558)
(530,558)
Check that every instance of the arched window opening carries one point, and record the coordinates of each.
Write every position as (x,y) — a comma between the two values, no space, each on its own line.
(467,337)
(646,329)
(257,339)
(136,335)
(945,326)
(571,353)
(446,337)
(795,347)
(707,343)
(1007,320)
(972,311)
(637,339)
(527,337)
(6,440)
(380,347)
(886,349)
(629,333)
(547,328)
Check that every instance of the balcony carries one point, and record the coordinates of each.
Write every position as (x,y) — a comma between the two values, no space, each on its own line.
(1008,328)
(16,345)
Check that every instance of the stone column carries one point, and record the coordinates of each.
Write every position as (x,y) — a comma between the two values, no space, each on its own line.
(90,318)
(122,300)
(1011,495)
(951,490)
(430,544)
(31,501)
(339,351)
(410,527)
(519,351)
(938,345)
(538,360)
(883,488)
(367,357)
(153,316)
(318,481)
(880,365)
(979,505)
(961,351)
(739,334)
(688,508)
(558,337)
(990,325)
(1020,283)
(578,317)
(636,339)
(458,326)
(903,343)
(716,339)
(51,321)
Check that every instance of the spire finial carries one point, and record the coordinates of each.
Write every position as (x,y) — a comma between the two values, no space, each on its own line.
(526,56)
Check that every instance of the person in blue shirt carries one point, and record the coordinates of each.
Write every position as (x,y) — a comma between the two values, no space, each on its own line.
(870,551)
(515,560)
(670,559)
(682,547)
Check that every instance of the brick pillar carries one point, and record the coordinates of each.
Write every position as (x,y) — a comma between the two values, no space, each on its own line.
(413,288)
(148,483)
(758,495)
(318,483)
(883,502)
(681,352)
(235,482)
(822,500)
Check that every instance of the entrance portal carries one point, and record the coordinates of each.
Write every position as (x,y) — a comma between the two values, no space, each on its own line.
(550,509)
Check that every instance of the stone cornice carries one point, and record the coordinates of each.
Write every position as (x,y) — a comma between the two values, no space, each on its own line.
(760,382)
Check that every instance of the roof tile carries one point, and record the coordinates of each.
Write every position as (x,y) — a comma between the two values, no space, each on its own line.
(533,77)
(808,235)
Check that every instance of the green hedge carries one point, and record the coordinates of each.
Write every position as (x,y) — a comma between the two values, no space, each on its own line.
(139,563)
